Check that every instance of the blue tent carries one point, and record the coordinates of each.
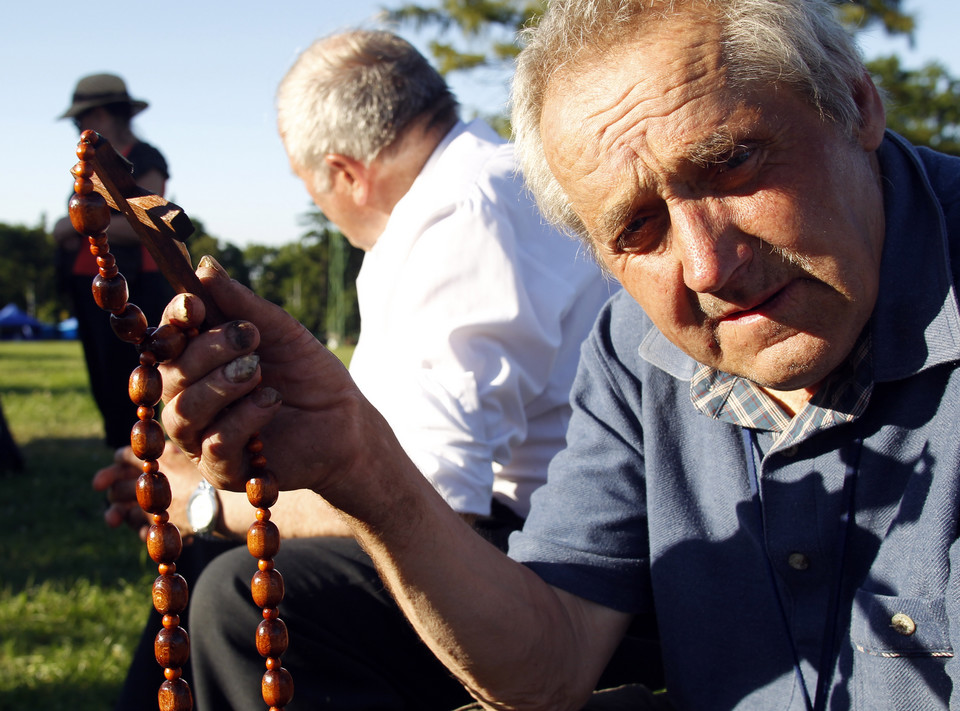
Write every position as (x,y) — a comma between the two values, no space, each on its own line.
(14,323)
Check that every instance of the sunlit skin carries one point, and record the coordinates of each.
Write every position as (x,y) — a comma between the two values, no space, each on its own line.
(748,229)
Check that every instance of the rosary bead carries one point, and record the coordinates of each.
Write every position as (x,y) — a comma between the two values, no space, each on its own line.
(145,386)
(89,213)
(83,187)
(130,324)
(82,170)
(263,490)
(270,613)
(272,638)
(161,518)
(264,564)
(150,466)
(98,244)
(266,587)
(147,439)
(145,413)
(106,261)
(175,696)
(172,673)
(110,294)
(255,444)
(166,342)
(146,357)
(258,461)
(85,149)
(170,594)
(172,647)
(170,621)
(263,539)
(167,568)
(153,493)
(164,543)
(277,687)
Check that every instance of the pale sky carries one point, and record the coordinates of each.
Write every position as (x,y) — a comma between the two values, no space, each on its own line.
(209,71)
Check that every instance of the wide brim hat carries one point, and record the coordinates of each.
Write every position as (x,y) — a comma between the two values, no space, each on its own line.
(99,90)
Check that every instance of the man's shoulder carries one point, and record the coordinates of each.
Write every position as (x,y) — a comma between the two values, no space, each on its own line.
(944,174)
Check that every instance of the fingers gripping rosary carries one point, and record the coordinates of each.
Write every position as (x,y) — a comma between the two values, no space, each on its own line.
(103,181)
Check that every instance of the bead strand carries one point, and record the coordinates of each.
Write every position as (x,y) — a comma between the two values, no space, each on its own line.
(266,587)
(90,216)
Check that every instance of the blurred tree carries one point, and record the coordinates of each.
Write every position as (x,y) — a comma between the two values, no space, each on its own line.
(228,255)
(861,14)
(923,105)
(313,278)
(27,272)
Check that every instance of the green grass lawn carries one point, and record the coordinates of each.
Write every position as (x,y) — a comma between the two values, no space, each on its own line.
(74,594)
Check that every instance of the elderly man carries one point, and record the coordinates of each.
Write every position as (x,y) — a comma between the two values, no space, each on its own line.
(472,310)
(762,452)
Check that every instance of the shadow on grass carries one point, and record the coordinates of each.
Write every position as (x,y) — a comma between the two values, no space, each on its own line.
(28,389)
(54,526)
(74,592)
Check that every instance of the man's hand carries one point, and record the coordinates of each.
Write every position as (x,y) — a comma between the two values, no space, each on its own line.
(118,480)
(228,384)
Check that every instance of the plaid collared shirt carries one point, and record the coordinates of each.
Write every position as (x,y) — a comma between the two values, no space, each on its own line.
(843,396)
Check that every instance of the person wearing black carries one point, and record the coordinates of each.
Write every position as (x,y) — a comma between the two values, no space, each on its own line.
(101,103)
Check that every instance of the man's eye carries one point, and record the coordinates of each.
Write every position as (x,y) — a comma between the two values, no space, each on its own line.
(633,238)
(740,156)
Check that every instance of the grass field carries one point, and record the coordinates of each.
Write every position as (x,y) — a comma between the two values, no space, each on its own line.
(74,594)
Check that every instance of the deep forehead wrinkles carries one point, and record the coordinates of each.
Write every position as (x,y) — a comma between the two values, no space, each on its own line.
(627,120)
(648,115)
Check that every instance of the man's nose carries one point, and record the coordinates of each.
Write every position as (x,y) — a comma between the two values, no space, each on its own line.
(708,245)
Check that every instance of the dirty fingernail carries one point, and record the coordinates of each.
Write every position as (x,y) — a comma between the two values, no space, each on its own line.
(241,369)
(183,312)
(209,262)
(240,334)
(265,397)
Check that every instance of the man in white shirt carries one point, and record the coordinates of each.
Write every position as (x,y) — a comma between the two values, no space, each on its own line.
(472,313)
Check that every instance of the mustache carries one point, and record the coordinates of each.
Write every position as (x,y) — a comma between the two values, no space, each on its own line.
(777,267)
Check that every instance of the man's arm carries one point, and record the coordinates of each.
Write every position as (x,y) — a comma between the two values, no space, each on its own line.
(512,639)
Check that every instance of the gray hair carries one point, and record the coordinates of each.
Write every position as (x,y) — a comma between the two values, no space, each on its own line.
(355,94)
(794,43)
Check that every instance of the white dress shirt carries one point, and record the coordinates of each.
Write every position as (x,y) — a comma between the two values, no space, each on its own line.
(472,313)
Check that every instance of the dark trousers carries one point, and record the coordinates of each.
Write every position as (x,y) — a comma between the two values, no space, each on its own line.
(109,360)
(144,677)
(350,646)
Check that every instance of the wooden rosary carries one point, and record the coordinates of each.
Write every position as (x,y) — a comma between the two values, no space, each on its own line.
(103,180)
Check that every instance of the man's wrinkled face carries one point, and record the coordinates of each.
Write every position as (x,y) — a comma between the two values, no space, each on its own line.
(748,229)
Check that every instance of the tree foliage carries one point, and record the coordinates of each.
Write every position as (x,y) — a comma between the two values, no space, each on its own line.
(923,105)
(486,28)
(312,278)
(28,272)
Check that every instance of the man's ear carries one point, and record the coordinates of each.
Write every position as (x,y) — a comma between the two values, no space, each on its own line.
(873,117)
(350,176)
